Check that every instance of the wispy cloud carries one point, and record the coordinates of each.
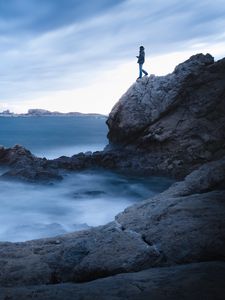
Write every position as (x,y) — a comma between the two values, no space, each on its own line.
(48,45)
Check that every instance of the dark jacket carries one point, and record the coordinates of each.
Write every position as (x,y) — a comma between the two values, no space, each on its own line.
(141,57)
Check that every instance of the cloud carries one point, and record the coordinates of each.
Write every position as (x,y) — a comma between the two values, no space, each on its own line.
(56,46)
(41,15)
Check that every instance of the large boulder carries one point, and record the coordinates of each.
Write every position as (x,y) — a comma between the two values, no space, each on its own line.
(178,119)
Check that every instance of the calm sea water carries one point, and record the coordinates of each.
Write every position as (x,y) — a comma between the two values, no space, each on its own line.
(52,137)
(82,199)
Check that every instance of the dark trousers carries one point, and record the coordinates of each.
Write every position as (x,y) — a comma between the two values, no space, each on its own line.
(141,70)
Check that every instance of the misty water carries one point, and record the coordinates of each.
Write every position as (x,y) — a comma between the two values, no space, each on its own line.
(82,199)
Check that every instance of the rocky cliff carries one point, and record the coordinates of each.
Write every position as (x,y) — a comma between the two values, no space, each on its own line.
(168,125)
(178,120)
(171,246)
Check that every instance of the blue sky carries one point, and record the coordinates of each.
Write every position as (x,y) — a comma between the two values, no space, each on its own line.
(71,55)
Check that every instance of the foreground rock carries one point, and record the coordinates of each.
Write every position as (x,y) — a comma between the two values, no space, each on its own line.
(179,226)
(192,281)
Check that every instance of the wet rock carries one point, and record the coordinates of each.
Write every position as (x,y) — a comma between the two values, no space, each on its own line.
(32,174)
(16,155)
(25,166)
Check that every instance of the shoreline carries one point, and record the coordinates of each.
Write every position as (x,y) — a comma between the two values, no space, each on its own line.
(172,243)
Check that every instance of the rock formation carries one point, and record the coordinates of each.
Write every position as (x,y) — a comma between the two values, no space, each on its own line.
(178,120)
(24,165)
(171,246)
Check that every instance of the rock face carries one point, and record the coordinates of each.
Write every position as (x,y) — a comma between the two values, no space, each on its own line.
(178,119)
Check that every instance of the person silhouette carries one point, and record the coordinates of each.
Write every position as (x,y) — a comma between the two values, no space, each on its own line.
(141,60)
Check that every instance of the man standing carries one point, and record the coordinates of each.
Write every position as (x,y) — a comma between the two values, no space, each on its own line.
(141,60)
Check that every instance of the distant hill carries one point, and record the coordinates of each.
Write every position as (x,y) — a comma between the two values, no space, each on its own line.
(37,112)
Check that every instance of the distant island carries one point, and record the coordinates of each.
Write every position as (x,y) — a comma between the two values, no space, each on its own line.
(37,112)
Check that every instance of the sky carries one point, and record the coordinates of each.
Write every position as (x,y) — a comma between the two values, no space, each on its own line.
(72,55)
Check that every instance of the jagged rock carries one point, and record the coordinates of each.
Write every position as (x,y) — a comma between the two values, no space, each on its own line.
(149,98)
(178,118)
(16,154)
(25,166)
(32,174)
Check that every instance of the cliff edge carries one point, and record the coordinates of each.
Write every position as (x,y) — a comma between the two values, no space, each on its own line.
(177,120)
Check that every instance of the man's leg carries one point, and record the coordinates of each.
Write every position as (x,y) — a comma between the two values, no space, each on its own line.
(146,73)
(140,70)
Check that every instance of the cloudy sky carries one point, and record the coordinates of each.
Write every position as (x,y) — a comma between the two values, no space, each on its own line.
(72,55)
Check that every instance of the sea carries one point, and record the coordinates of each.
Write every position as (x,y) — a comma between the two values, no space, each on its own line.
(82,199)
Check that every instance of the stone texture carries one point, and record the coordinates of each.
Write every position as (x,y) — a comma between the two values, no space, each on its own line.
(81,256)
(192,281)
(177,120)
(208,177)
(182,229)
(23,165)
(186,222)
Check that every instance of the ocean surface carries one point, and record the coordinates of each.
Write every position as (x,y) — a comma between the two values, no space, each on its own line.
(82,199)
(52,137)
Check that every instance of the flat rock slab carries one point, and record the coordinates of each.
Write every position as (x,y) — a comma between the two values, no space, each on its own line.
(182,229)
(185,282)
(78,257)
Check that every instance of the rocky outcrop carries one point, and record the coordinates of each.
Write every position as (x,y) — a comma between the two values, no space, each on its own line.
(23,165)
(178,120)
(168,125)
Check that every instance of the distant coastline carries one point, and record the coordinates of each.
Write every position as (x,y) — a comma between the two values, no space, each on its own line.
(46,113)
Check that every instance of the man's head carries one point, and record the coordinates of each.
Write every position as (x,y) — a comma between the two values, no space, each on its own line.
(142,48)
